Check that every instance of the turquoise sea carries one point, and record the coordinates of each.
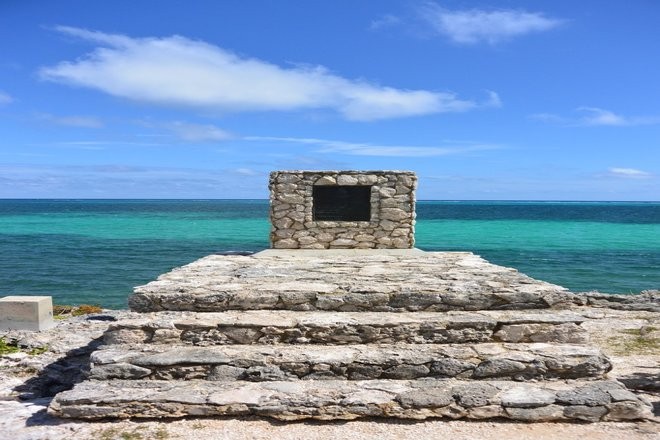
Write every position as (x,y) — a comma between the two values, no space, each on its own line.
(95,251)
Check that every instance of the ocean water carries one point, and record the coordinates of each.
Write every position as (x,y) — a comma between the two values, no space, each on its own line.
(95,251)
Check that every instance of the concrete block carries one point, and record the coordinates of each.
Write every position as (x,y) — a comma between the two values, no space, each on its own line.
(26,313)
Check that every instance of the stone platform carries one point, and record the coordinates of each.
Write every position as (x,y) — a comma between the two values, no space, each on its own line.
(342,334)
(346,281)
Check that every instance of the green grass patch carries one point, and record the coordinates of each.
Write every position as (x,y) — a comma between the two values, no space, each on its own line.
(37,351)
(631,331)
(7,348)
(137,433)
(635,341)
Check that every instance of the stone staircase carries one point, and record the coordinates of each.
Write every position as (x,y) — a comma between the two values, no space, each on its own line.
(331,335)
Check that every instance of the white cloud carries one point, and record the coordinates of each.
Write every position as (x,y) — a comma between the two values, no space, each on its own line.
(178,71)
(366,149)
(594,116)
(197,132)
(630,173)
(73,121)
(5,98)
(473,26)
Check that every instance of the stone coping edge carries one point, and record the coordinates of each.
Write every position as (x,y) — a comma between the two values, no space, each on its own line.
(283,253)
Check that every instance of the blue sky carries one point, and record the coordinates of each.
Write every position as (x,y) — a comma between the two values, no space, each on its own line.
(532,100)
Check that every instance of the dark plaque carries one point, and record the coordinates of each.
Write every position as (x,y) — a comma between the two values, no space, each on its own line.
(341,203)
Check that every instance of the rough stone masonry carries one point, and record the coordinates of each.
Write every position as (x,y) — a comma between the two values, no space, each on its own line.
(342,209)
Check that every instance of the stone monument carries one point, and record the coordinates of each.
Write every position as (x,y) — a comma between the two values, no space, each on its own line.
(366,328)
(342,209)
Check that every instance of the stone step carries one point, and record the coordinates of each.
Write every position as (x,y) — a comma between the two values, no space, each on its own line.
(354,362)
(430,281)
(590,401)
(283,326)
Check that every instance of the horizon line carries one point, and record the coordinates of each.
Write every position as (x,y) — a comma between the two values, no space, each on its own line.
(266,199)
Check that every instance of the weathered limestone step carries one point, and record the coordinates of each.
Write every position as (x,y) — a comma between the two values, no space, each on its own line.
(431,281)
(353,362)
(328,400)
(283,326)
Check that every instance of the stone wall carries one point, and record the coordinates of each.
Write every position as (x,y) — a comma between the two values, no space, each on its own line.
(392,218)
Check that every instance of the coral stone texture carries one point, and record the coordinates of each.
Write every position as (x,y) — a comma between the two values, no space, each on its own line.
(339,334)
(346,281)
(302,219)
(581,401)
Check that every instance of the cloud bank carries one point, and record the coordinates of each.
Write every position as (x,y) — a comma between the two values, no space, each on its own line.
(177,71)
(472,26)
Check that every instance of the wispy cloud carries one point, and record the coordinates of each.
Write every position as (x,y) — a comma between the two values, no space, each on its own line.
(386,21)
(169,131)
(549,118)
(366,149)
(245,171)
(127,181)
(599,116)
(629,173)
(594,116)
(102,144)
(197,132)
(472,26)
(72,121)
(178,71)
(494,100)
(5,98)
